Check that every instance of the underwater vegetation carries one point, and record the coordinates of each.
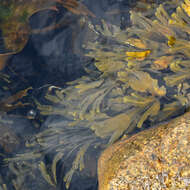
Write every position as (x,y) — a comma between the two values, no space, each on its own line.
(140,77)
(15,15)
(9,103)
(14,21)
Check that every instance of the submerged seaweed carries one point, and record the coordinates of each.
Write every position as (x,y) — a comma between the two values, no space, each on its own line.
(136,69)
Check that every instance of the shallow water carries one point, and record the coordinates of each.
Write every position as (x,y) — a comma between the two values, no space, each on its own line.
(48,129)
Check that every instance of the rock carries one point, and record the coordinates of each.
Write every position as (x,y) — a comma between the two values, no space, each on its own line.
(157,158)
(14,21)
(8,139)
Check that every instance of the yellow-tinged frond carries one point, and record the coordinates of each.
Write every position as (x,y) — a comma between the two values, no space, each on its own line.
(186,6)
(171,41)
(162,15)
(138,54)
(45,174)
(123,76)
(138,100)
(174,80)
(151,111)
(85,86)
(109,66)
(54,164)
(78,163)
(163,62)
(116,125)
(175,67)
(142,82)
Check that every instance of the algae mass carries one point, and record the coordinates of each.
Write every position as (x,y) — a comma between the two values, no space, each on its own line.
(141,77)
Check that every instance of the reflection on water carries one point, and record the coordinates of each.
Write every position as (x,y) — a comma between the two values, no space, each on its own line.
(88,74)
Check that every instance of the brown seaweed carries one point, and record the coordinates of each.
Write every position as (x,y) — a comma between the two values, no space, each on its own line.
(76,7)
(125,95)
(13,102)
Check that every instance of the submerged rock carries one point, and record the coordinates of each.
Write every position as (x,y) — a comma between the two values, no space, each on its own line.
(8,139)
(157,158)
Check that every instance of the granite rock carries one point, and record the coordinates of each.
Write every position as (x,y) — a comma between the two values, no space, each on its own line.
(157,158)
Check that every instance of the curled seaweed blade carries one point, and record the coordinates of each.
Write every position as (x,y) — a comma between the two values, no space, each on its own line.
(23,157)
(175,67)
(181,70)
(168,110)
(109,66)
(12,102)
(54,164)
(174,80)
(78,163)
(84,87)
(44,109)
(107,61)
(45,174)
(137,100)
(180,19)
(116,125)
(141,21)
(163,62)
(142,82)
(151,111)
(162,15)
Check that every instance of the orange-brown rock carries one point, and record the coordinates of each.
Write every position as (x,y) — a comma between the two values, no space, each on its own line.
(157,158)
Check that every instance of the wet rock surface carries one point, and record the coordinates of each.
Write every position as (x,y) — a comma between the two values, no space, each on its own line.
(157,158)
